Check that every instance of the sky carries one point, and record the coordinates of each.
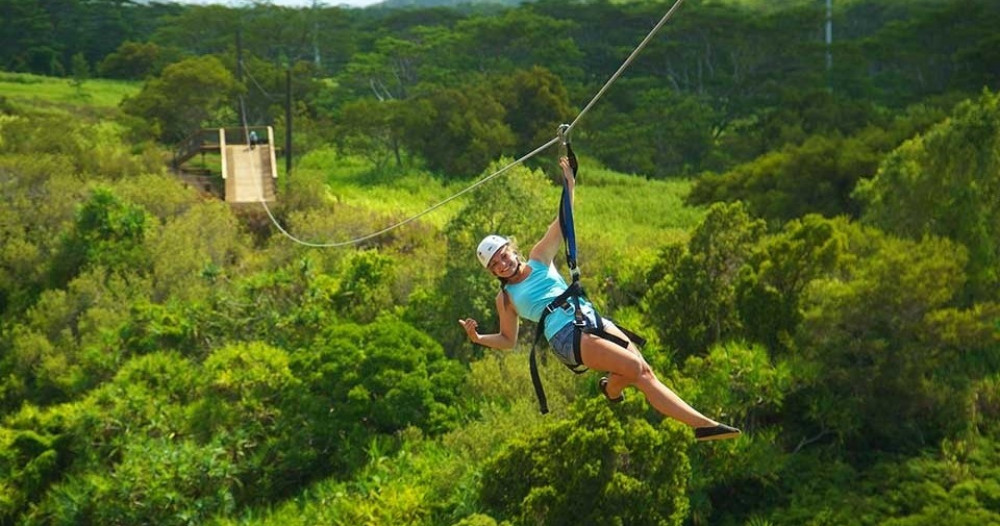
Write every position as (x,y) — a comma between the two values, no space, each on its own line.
(288,3)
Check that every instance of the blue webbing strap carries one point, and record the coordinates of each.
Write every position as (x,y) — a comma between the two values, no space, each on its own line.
(574,291)
(566,217)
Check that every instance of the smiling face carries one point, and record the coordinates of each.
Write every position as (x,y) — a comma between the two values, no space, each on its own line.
(504,263)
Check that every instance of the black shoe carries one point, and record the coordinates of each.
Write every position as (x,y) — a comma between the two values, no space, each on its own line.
(719,432)
(603,385)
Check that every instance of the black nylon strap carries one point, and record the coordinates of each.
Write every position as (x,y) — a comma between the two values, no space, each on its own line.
(536,381)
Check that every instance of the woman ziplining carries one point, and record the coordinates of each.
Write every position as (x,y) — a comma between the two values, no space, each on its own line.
(577,334)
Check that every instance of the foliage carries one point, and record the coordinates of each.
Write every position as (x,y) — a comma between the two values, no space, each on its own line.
(816,173)
(770,287)
(692,295)
(594,467)
(365,287)
(900,295)
(132,60)
(187,95)
(169,359)
(536,103)
(108,233)
(369,128)
(740,382)
(67,342)
(944,183)
(953,485)
(468,129)
(665,134)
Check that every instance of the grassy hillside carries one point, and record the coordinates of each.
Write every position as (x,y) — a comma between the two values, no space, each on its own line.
(49,91)
(615,211)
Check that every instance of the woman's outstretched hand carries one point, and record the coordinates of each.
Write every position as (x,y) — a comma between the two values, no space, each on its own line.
(470,325)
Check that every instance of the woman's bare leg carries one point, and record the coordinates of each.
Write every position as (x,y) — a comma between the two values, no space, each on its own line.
(627,367)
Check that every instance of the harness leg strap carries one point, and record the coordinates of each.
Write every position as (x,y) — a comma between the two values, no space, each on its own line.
(536,380)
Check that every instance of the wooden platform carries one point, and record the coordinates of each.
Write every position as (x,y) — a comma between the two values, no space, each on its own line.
(250,174)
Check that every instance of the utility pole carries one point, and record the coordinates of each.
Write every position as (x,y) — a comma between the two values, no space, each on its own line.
(829,35)
(239,65)
(315,7)
(288,121)
(239,54)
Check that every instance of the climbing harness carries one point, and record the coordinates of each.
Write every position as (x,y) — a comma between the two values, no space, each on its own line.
(573,293)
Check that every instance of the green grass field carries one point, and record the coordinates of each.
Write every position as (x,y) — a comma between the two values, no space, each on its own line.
(615,212)
(96,93)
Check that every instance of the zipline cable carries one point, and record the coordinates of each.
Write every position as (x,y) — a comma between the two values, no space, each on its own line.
(254,79)
(564,132)
(625,64)
(409,219)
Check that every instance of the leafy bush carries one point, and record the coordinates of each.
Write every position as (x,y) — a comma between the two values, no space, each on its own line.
(692,296)
(591,468)
(944,183)
(899,294)
(108,232)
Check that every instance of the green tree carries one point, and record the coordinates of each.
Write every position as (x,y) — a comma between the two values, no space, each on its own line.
(29,463)
(372,129)
(361,381)
(662,133)
(194,251)
(536,103)
(390,71)
(108,232)
(815,177)
(28,38)
(814,173)
(593,468)
(881,336)
(187,95)
(244,411)
(459,131)
(944,183)
(132,60)
(80,70)
(198,30)
(515,39)
(40,203)
(739,381)
(68,341)
(365,286)
(769,291)
(692,295)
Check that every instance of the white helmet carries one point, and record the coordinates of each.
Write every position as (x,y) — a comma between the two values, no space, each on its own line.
(489,246)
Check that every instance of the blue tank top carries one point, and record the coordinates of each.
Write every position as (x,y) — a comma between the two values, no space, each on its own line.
(532,295)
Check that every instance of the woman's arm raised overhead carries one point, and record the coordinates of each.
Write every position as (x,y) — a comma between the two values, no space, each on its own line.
(546,249)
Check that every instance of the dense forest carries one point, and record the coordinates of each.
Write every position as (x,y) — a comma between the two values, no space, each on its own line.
(806,231)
